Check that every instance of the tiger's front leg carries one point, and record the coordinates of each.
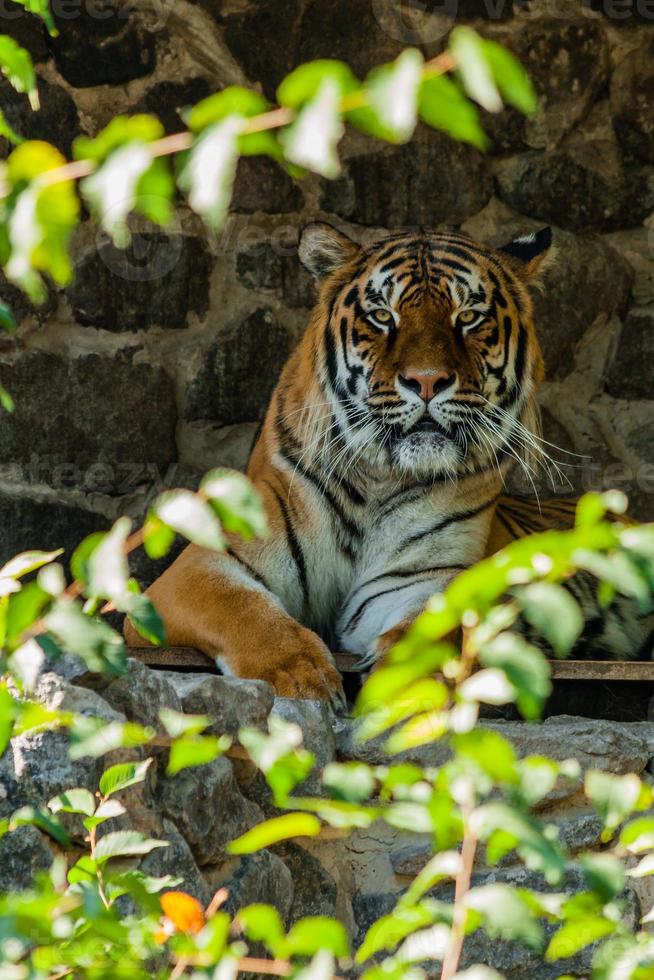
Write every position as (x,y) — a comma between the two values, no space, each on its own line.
(221,606)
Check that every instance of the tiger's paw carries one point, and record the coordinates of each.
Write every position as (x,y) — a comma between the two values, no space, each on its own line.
(304,669)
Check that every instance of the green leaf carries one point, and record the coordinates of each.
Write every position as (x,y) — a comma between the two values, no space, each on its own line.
(143,614)
(605,875)
(472,63)
(535,847)
(538,776)
(106,563)
(354,781)
(236,502)
(312,138)
(106,810)
(16,65)
(95,737)
(178,723)
(511,78)
(391,94)
(36,817)
(638,836)
(576,935)
(262,923)
(445,864)
(121,131)
(278,755)
(442,105)
(316,932)
(490,751)
(554,613)
(505,914)
(125,843)
(7,321)
(73,801)
(195,750)
(24,609)
(614,797)
(525,667)
(389,930)
(157,537)
(188,514)
(6,400)
(111,192)
(304,83)
(100,647)
(272,831)
(210,168)
(122,775)
(231,101)
(26,562)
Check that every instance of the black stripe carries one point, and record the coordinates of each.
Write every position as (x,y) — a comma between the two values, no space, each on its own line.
(407,572)
(249,569)
(446,522)
(360,610)
(293,544)
(352,528)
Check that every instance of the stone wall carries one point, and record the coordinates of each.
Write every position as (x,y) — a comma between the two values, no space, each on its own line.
(357,877)
(156,363)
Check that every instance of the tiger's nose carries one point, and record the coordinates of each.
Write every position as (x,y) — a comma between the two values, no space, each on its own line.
(427,383)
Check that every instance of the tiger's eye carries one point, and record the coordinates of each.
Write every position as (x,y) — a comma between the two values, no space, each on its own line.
(382,316)
(467,317)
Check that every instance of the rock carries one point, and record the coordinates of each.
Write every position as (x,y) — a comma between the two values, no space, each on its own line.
(567,61)
(166,100)
(103,43)
(230,702)
(615,747)
(141,693)
(240,371)
(581,832)
(314,889)
(55,121)
(93,409)
(261,877)
(634,348)
(17,301)
(178,861)
(449,182)
(315,720)
(204,445)
(23,852)
(632,101)
(34,522)
(265,267)
(582,187)
(266,62)
(207,807)
(155,282)
(262,185)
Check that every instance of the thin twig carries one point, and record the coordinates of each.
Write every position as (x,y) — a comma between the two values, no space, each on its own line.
(462,886)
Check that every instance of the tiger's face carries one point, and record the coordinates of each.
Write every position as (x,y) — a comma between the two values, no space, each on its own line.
(428,347)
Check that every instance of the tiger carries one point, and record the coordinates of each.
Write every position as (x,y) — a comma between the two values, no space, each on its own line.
(382,459)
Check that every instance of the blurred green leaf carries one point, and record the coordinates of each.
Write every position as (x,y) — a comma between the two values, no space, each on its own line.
(511,78)
(554,613)
(100,647)
(279,755)
(37,817)
(442,105)
(189,515)
(106,566)
(125,843)
(7,321)
(506,914)
(208,174)
(195,750)
(16,65)
(604,874)
(311,140)
(122,775)
(157,537)
(272,831)
(490,751)
(121,131)
(638,836)
(391,95)
(473,67)
(315,932)
(536,848)
(236,502)
(576,935)
(112,191)
(445,864)
(6,400)
(95,737)
(304,83)
(262,923)
(142,614)
(525,667)
(389,930)
(352,781)
(614,797)
(106,810)
(178,723)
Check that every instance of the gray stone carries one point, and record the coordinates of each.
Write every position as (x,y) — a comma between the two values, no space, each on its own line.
(315,720)
(431,180)
(230,702)
(141,693)
(260,877)
(178,861)
(266,267)
(580,832)
(76,414)
(633,350)
(632,101)
(314,889)
(208,808)
(56,119)
(166,100)
(616,747)
(155,282)
(567,62)
(103,43)
(262,185)
(239,372)
(266,62)
(583,187)
(23,852)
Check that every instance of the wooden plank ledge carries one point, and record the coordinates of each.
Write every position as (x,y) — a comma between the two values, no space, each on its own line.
(189,659)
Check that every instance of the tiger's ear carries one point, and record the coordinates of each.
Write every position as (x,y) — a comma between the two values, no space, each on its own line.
(532,253)
(323,248)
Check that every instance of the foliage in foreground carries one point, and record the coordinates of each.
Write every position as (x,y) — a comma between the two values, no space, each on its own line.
(102,917)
